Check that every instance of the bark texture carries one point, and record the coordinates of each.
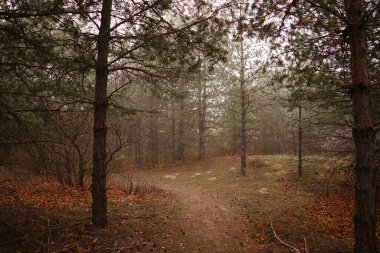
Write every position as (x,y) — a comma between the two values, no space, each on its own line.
(173,143)
(202,107)
(363,132)
(181,132)
(299,141)
(139,143)
(243,112)
(99,174)
(154,141)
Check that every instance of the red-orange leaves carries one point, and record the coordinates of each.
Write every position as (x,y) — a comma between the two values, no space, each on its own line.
(41,194)
(335,209)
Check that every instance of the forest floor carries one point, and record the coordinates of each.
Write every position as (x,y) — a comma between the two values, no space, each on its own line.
(199,207)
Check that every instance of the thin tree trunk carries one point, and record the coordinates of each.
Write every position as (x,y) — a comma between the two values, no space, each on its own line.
(202,103)
(81,174)
(181,130)
(235,136)
(204,111)
(294,142)
(81,164)
(243,110)
(99,174)
(299,141)
(139,143)
(363,132)
(173,130)
(154,145)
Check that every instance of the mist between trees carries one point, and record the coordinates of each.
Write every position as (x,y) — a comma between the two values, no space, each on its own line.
(89,87)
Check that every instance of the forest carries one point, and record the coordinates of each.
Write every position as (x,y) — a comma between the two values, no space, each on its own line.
(189,126)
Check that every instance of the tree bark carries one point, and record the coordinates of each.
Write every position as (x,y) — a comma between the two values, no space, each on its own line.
(235,145)
(99,174)
(243,112)
(173,143)
(181,132)
(363,132)
(299,141)
(154,142)
(139,143)
(202,103)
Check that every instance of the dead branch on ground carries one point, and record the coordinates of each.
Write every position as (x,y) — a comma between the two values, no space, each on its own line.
(286,244)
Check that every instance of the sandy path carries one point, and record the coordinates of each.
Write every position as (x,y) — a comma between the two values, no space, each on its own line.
(208,221)
(217,210)
(213,225)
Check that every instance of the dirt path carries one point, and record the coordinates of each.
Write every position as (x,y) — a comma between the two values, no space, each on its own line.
(213,225)
(220,211)
(209,222)
(205,207)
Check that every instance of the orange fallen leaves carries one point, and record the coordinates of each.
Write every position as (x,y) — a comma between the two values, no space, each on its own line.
(335,209)
(41,194)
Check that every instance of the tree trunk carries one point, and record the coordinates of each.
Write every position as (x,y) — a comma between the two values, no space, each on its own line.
(173,130)
(154,143)
(139,143)
(363,132)
(202,103)
(243,111)
(181,131)
(81,174)
(294,142)
(299,141)
(81,163)
(99,174)
(235,145)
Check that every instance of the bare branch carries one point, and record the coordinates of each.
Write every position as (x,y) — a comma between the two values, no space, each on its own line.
(282,242)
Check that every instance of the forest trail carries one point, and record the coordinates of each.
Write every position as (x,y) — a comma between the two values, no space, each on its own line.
(213,224)
(206,193)
(220,211)
(205,206)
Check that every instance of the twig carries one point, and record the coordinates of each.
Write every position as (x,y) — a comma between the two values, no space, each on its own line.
(353,126)
(120,250)
(282,242)
(306,251)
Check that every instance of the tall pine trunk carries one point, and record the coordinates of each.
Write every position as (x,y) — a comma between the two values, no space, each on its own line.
(154,141)
(202,103)
(181,132)
(243,112)
(173,143)
(299,141)
(139,143)
(363,132)
(99,174)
